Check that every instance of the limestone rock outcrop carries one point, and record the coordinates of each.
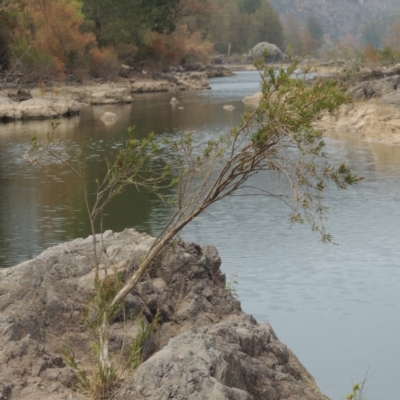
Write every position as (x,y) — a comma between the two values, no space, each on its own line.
(38,108)
(204,346)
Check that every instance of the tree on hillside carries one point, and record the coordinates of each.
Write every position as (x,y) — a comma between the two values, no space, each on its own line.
(278,139)
(372,33)
(269,25)
(192,13)
(392,37)
(126,22)
(249,6)
(51,30)
(8,19)
(315,28)
(309,44)
(293,34)
(229,25)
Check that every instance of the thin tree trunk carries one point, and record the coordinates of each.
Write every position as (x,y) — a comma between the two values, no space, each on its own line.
(104,334)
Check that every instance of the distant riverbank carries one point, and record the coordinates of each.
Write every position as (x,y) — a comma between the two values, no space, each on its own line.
(61,99)
(372,112)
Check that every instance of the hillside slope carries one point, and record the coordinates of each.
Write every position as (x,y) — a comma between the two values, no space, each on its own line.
(338,17)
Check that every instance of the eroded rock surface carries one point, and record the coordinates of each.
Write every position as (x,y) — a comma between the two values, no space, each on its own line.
(233,360)
(203,348)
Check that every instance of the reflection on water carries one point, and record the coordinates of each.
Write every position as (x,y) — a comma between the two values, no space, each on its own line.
(336,306)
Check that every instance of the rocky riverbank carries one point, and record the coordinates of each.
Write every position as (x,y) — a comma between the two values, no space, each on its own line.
(204,346)
(63,100)
(372,112)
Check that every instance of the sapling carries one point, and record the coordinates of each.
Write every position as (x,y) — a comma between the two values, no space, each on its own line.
(278,138)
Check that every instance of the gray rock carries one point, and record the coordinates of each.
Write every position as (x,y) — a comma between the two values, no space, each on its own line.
(203,348)
(236,359)
(377,83)
(390,98)
(5,392)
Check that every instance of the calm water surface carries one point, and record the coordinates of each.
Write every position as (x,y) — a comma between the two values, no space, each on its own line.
(335,306)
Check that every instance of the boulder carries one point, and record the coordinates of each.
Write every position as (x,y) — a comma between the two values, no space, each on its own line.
(274,54)
(204,346)
(228,107)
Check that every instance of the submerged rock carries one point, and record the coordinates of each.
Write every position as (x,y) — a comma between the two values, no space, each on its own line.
(109,117)
(204,347)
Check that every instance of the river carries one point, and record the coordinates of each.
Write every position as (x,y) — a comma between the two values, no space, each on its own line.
(336,306)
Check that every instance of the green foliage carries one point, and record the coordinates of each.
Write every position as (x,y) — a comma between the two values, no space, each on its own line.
(136,351)
(106,289)
(83,379)
(315,28)
(4,42)
(372,32)
(98,382)
(127,22)
(36,65)
(389,55)
(280,138)
(231,25)
(231,285)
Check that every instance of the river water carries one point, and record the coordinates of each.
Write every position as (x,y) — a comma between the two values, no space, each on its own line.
(336,306)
